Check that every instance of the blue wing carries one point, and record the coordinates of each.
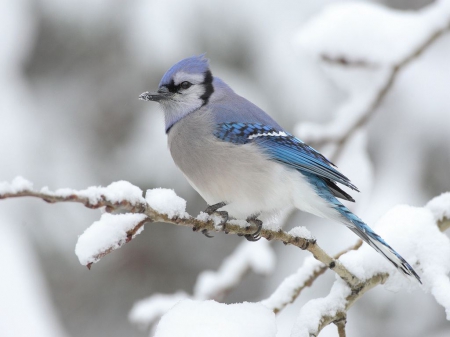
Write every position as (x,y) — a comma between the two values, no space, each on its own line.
(284,148)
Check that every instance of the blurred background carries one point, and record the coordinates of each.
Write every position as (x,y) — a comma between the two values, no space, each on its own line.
(70,76)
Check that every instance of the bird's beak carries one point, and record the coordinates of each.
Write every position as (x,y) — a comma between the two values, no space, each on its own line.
(154,96)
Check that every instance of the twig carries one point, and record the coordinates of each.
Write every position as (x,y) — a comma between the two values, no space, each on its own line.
(444,224)
(365,286)
(295,292)
(340,323)
(350,300)
(346,62)
(130,235)
(224,279)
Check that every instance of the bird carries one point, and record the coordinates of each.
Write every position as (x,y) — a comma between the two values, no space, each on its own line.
(243,163)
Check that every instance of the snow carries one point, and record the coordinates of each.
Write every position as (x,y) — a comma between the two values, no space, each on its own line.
(413,233)
(109,233)
(78,158)
(115,192)
(368,32)
(288,288)
(301,232)
(374,38)
(239,222)
(440,206)
(148,310)
(314,310)
(165,201)
(256,256)
(19,184)
(209,318)
(123,190)
(218,220)
(202,216)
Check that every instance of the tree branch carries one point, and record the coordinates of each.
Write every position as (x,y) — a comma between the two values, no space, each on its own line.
(356,293)
(340,323)
(444,224)
(140,206)
(350,300)
(377,96)
(291,290)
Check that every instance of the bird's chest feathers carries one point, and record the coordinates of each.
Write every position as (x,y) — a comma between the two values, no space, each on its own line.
(222,171)
(193,149)
(188,141)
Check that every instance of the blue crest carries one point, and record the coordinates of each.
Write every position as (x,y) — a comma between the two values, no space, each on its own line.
(191,65)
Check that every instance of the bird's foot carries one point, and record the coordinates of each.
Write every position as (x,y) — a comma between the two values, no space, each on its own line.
(213,209)
(256,235)
(206,233)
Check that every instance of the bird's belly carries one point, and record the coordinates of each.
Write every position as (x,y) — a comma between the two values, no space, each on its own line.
(235,174)
(246,190)
(239,175)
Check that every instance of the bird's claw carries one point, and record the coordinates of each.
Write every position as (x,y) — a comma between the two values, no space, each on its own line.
(224,216)
(206,233)
(213,209)
(256,235)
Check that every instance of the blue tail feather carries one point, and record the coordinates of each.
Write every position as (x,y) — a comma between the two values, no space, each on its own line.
(357,226)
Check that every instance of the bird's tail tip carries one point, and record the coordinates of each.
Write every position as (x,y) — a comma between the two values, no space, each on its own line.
(407,270)
(375,241)
(395,258)
(381,246)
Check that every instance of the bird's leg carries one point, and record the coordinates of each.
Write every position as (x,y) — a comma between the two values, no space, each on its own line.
(258,223)
(213,209)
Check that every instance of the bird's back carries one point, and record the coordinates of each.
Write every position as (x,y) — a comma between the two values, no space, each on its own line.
(226,107)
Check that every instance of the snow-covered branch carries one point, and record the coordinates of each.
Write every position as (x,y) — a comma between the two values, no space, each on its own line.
(159,205)
(359,271)
(429,246)
(318,313)
(328,38)
(288,291)
(444,224)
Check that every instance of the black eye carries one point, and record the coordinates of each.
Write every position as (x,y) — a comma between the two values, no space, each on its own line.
(185,85)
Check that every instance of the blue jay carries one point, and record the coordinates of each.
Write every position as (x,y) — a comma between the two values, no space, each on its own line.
(242,162)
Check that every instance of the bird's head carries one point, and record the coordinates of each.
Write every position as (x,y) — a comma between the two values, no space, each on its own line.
(183,89)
